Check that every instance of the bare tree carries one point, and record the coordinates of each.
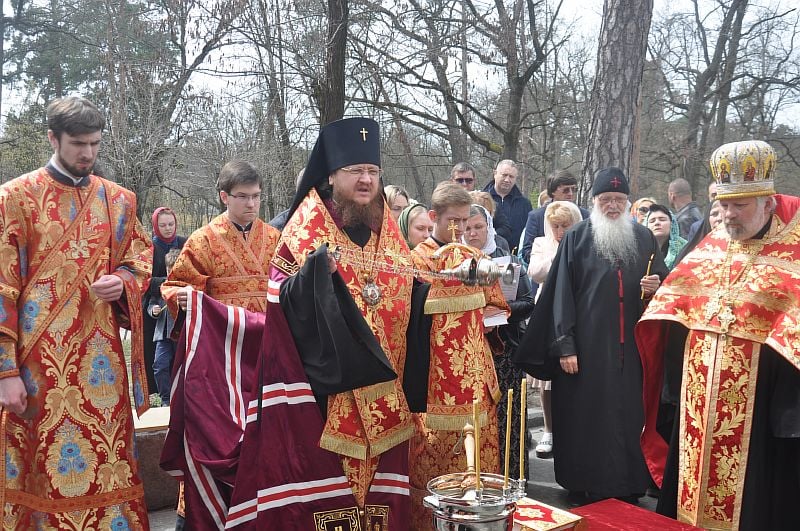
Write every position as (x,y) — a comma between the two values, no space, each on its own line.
(616,93)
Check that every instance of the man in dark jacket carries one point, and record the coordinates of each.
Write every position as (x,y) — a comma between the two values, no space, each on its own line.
(510,201)
(561,186)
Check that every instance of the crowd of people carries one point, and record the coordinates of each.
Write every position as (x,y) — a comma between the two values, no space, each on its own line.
(322,367)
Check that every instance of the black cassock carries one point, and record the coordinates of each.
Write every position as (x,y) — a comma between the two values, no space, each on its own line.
(586,305)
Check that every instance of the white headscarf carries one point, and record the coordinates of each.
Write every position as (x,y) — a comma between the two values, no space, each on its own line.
(491,245)
(573,210)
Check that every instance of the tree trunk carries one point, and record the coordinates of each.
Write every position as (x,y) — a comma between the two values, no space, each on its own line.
(617,84)
(725,83)
(332,106)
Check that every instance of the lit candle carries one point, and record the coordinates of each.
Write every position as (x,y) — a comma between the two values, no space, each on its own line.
(508,436)
(523,409)
(476,418)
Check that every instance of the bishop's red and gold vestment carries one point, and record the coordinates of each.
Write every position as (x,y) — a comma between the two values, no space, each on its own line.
(461,371)
(349,468)
(69,461)
(738,300)
(219,261)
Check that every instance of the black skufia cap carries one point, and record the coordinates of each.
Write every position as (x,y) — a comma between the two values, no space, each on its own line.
(610,180)
(340,143)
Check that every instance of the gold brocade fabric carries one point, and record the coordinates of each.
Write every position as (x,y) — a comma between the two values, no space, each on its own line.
(70,463)
(729,319)
(365,422)
(461,371)
(217,260)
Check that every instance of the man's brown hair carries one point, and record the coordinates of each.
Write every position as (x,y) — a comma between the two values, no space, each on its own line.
(75,116)
(235,173)
(449,194)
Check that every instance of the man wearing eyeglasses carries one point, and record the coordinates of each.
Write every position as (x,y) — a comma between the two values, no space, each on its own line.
(228,259)
(582,332)
(561,186)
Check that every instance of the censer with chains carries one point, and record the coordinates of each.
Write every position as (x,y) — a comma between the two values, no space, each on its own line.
(477,269)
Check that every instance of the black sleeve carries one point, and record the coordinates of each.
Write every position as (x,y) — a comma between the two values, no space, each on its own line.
(418,354)
(503,226)
(337,347)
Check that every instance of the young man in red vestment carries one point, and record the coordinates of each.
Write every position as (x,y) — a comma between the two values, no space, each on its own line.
(73,262)
(461,369)
(724,330)
(228,260)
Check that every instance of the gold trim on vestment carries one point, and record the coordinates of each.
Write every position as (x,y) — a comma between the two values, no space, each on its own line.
(284,266)
(385,444)
(77,503)
(341,446)
(459,303)
(375,392)
(441,421)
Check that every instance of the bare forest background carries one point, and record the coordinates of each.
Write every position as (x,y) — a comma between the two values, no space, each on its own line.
(189,84)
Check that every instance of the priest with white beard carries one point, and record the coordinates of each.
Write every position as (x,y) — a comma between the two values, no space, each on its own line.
(581,337)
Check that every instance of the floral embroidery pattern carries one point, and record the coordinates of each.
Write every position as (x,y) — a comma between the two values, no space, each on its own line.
(30,382)
(70,461)
(101,373)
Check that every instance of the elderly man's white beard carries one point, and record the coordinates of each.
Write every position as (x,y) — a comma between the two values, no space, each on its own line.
(613,238)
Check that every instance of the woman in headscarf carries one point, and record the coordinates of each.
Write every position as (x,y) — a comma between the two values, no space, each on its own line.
(559,217)
(667,233)
(480,233)
(165,238)
(415,225)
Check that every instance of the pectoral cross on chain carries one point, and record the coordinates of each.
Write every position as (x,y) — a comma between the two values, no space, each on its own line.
(363,134)
(451,226)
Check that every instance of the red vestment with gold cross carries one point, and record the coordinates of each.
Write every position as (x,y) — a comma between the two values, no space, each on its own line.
(461,371)
(69,460)
(734,297)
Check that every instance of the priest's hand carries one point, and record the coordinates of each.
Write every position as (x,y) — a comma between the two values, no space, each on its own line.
(650,284)
(13,395)
(569,364)
(108,288)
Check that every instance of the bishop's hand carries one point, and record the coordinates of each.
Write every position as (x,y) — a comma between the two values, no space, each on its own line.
(13,395)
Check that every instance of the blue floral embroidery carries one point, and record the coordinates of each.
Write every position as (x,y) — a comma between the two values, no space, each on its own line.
(138,393)
(122,222)
(120,523)
(12,472)
(72,211)
(30,310)
(23,261)
(6,363)
(101,372)
(31,385)
(71,459)
(3,314)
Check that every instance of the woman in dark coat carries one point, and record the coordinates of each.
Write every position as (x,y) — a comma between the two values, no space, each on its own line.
(165,237)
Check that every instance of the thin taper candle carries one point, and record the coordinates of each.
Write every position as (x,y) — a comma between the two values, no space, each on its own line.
(523,409)
(476,418)
(647,274)
(509,412)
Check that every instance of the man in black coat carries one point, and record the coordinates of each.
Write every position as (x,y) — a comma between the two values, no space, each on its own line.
(581,336)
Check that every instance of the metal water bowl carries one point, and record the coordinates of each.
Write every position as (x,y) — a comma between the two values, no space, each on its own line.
(458,506)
